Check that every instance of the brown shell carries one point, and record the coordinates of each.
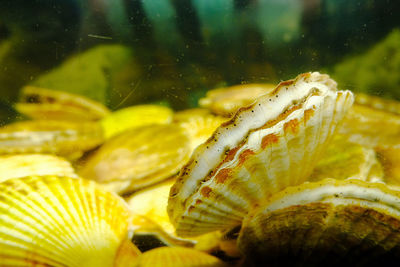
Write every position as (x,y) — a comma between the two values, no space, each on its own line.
(327,222)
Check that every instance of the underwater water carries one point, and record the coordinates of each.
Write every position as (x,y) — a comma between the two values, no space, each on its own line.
(199,132)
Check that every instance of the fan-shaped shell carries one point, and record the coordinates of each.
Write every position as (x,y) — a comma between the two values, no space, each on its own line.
(139,157)
(372,127)
(42,103)
(226,101)
(135,116)
(329,221)
(60,221)
(265,147)
(177,257)
(65,138)
(14,166)
(344,159)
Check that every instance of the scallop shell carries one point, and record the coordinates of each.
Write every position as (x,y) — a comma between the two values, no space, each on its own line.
(177,257)
(63,138)
(60,221)
(41,103)
(344,159)
(226,101)
(135,116)
(139,157)
(264,148)
(15,166)
(326,222)
(371,127)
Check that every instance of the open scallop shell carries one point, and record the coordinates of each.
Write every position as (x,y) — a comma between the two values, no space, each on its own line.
(139,157)
(64,138)
(14,166)
(41,103)
(60,221)
(264,148)
(135,116)
(226,101)
(328,222)
(177,257)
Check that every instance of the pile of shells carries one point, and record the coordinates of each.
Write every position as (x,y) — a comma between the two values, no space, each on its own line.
(293,174)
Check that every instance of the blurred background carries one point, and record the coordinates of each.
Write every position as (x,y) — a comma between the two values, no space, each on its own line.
(126,52)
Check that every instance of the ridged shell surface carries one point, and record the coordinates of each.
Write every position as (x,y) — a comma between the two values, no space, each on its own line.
(64,138)
(14,166)
(53,221)
(326,222)
(177,257)
(264,148)
(139,157)
(42,103)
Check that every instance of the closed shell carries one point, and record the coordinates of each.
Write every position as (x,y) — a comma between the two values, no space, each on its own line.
(263,149)
(46,104)
(64,138)
(139,157)
(326,222)
(54,221)
(177,257)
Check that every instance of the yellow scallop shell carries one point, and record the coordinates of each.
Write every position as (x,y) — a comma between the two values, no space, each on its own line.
(135,116)
(64,138)
(139,157)
(344,159)
(60,221)
(42,103)
(14,166)
(177,257)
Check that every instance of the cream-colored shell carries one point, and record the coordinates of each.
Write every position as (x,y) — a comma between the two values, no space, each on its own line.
(264,148)
(15,166)
(60,221)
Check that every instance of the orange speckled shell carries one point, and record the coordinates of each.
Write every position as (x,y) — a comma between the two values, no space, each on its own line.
(265,147)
